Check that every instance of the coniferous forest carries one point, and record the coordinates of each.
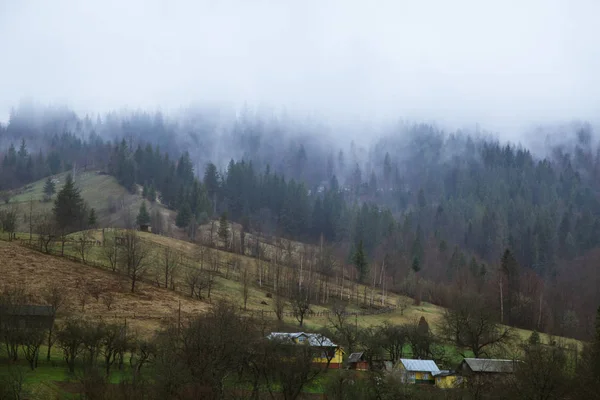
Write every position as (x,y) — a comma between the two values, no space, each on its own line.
(458,210)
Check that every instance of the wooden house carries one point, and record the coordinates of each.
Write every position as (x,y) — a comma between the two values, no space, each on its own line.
(417,371)
(487,371)
(358,362)
(446,379)
(330,353)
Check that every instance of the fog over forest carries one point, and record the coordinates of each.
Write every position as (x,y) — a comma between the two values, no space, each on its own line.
(507,66)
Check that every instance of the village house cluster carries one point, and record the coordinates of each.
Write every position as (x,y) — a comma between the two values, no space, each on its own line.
(410,371)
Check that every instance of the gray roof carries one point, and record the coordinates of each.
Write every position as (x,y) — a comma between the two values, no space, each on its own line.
(26,310)
(355,357)
(490,365)
(314,339)
(420,365)
(444,372)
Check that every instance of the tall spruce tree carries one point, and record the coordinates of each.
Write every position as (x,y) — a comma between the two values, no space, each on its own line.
(183,216)
(143,217)
(151,193)
(69,207)
(223,231)
(360,262)
(49,189)
(92,219)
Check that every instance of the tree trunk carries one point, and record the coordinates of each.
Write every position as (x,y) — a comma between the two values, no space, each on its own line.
(49,344)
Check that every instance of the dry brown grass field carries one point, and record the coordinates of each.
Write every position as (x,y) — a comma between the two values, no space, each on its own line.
(144,310)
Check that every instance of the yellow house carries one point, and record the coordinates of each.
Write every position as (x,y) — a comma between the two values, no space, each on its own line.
(448,379)
(330,352)
(417,371)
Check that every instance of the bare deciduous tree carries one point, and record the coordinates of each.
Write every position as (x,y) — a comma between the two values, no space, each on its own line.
(193,278)
(471,324)
(171,262)
(108,299)
(393,339)
(83,245)
(279,306)
(300,305)
(70,340)
(55,297)
(114,345)
(135,256)
(82,296)
(544,372)
(343,328)
(111,253)
(245,277)
(291,367)
(94,290)
(47,231)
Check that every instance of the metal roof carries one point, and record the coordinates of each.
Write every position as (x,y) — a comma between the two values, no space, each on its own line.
(420,365)
(444,372)
(314,339)
(490,365)
(355,357)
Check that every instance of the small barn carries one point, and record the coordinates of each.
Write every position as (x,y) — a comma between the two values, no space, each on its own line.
(145,228)
(446,379)
(484,366)
(418,371)
(358,362)
(24,316)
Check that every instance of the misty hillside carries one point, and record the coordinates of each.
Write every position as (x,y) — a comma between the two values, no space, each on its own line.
(441,206)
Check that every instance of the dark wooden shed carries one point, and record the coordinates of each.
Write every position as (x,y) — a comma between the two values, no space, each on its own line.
(358,362)
(26,316)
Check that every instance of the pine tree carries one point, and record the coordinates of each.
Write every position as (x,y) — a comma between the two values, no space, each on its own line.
(223,231)
(69,207)
(151,194)
(211,178)
(416,264)
(534,338)
(49,189)
(143,217)
(183,216)
(423,327)
(92,220)
(360,262)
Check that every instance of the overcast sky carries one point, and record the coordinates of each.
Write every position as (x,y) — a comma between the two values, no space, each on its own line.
(498,63)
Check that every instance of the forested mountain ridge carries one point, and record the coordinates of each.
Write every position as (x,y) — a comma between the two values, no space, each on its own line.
(431,205)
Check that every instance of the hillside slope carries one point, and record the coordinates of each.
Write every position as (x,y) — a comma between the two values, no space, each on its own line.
(114,204)
(151,305)
(143,310)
